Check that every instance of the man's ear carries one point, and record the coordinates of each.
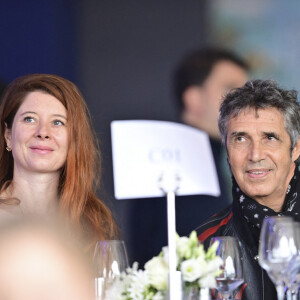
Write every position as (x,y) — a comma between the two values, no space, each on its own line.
(296,150)
(7,136)
(192,99)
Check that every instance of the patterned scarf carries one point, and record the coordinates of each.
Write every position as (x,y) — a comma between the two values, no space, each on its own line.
(255,213)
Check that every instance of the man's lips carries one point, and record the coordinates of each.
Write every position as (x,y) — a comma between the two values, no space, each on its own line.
(258,173)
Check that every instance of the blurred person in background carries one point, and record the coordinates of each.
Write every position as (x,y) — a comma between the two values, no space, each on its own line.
(49,156)
(201,79)
(39,260)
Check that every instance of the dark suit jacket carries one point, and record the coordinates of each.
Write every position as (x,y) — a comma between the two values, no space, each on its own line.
(229,222)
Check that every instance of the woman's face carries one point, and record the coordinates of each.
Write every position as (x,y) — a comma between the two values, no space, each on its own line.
(39,136)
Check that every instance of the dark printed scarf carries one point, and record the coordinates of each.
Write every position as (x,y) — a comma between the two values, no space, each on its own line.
(255,213)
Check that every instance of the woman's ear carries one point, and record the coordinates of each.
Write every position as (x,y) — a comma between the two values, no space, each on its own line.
(7,136)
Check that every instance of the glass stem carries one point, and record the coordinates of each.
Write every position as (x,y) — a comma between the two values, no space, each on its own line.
(289,294)
(295,295)
(280,291)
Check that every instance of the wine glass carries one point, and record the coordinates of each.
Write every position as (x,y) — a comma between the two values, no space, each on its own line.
(293,280)
(110,259)
(277,250)
(231,271)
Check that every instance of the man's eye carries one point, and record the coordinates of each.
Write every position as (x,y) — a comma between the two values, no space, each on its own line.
(29,119)
(272,138)
(58,123)
(239,138)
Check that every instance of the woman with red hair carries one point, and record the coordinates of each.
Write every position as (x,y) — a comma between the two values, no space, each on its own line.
(49,157)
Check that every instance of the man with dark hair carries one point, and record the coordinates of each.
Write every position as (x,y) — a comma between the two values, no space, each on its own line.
(260,126)
(201,80)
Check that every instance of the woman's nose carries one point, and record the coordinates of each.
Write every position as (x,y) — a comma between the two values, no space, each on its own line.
(43,131)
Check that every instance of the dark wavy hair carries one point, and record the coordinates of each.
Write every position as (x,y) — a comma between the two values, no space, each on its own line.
(197,65)
(261,94)
(80,175)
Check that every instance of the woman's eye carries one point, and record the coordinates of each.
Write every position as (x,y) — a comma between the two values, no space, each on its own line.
(29,119)
(58,123)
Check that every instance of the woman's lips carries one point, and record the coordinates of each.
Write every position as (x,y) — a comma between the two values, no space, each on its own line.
(41,149)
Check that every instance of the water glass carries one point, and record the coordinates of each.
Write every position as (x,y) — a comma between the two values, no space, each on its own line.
(231,271)
(110,259)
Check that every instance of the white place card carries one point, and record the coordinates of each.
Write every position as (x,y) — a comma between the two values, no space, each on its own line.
(145,150)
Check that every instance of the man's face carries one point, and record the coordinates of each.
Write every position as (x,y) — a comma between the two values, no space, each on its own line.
(203,110)
(260,157)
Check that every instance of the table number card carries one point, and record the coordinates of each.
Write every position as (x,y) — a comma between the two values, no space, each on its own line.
(144,151)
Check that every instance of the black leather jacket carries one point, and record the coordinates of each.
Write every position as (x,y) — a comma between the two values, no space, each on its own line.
(230,222)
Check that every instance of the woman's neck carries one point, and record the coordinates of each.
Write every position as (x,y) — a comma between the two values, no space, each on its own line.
(37,192)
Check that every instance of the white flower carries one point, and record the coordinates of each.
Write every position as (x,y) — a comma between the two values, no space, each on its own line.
(191,270)
(138,285)
(213,265)
(208,281)
(157,272)
(115,290)
(187,247)
(197,266)
(159,296)
(183,247)
(165,255)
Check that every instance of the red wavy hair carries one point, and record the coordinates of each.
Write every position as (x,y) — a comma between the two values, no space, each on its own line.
(80,176)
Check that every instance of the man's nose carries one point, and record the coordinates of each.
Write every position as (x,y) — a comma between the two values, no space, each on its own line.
(256,151)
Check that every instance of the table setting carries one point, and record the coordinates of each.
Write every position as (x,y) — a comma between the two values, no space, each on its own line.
(198,271)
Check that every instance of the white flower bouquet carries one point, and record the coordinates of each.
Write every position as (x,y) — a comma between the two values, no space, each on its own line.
(198,269)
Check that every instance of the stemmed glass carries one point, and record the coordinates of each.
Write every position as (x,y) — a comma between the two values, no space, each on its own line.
(293,280)
(277,250)
(231,271)
(110,259)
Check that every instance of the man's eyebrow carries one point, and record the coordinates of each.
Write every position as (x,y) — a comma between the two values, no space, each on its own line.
(272,133)
(238,133)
